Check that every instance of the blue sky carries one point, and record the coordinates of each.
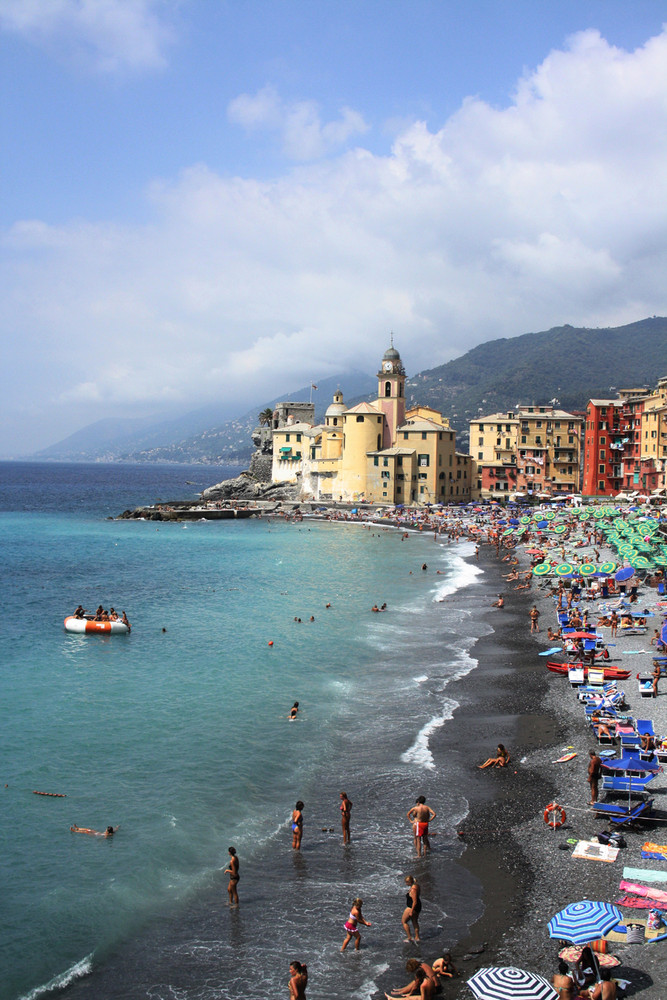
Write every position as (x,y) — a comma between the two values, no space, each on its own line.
(209,200)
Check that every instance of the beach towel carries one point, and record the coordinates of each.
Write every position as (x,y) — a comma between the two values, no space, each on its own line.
(642,890)
(656,851)
(595,852)
(640,904)
(645,874)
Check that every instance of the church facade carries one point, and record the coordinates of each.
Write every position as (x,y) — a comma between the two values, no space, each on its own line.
(377,452)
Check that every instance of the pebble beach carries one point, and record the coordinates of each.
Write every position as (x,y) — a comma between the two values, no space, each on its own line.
(525,866)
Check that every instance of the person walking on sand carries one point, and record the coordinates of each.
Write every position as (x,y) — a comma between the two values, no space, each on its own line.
(594,771)
(298,980)
(352,925)
(412,909)
(534,619)
(656,678)
(297,825)
(233,872)
(345,812)
(420,816)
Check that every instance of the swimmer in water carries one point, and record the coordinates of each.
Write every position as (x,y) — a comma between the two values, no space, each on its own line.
(109,832)
(293,711)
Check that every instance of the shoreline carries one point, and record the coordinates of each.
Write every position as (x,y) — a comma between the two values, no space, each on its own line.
(525,869)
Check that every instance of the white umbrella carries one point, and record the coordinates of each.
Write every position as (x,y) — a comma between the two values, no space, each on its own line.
(510,984)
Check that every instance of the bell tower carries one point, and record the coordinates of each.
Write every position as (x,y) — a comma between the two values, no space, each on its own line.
(391,393)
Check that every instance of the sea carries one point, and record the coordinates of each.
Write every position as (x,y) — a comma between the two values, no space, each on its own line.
(179,735)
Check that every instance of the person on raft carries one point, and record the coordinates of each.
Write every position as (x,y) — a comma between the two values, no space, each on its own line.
(109,832)
(501,760)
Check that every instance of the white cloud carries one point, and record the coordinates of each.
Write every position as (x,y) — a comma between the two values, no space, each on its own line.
(504,221)
(298,123)
(109,35)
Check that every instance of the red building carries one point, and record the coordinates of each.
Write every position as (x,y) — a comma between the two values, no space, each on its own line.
(613,444)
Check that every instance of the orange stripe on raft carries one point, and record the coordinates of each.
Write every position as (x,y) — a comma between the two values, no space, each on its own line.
(98,626)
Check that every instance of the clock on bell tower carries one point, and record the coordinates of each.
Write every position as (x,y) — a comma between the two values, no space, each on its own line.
(391,393)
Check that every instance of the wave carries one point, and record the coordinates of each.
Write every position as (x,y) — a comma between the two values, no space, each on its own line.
(60,982)
(463,573)
(420,752)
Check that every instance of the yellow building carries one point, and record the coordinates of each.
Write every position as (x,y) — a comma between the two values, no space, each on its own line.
(376,452)
(533,450)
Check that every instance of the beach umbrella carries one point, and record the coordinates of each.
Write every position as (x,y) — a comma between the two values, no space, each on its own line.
(510,983)
(641,562)
(624,574)
(542,569)
(566,569)
(607,567)
(585,921)
(550,515)
(587,569)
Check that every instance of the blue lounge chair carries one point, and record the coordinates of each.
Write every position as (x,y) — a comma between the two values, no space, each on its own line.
(645,727)
(626,782)
(621,815)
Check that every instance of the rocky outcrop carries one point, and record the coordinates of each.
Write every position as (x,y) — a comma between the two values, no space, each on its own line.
(247,487)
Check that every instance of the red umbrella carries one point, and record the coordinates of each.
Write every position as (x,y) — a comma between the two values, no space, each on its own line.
(534,552)
(580,635)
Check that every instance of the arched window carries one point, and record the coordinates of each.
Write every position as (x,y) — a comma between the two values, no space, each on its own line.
(360,419)
(335,421)
(387,388)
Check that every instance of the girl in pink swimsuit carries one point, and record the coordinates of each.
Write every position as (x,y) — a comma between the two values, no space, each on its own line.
(351,925)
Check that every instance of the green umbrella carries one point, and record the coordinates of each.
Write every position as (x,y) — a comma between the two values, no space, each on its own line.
(588,569)
(565,569)
(525,519)
(607,567)
(641,562)
(549,516)
(508,531)
(560,528)
(542,569)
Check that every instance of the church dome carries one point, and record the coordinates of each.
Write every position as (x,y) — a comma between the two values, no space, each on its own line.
(391,354)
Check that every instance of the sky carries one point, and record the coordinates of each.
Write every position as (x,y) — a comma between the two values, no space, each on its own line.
(214,201)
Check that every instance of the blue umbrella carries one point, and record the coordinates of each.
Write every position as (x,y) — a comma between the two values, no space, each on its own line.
(624,574)
(510,984)
(585,921)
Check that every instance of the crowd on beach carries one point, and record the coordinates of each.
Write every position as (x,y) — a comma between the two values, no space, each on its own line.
(588,598)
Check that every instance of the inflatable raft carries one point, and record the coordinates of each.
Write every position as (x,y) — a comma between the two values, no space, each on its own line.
(81,625)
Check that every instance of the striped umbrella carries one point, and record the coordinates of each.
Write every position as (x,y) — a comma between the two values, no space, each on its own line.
(585,921)
(565,569)
(587,569)
(510,984)
(542,569)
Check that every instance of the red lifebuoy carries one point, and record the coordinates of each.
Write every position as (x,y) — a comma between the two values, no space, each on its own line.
(554,815)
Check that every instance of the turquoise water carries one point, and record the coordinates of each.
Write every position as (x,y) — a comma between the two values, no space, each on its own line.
(180,736)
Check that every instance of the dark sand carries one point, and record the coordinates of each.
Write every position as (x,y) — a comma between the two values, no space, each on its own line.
(526,874)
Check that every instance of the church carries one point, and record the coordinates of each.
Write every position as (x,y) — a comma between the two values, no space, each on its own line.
(375,452)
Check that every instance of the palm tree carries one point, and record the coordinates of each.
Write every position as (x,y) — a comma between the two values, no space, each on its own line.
(266,417)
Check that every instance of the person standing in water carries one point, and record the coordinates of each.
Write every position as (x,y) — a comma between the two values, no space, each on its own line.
(297,825)
(298,980)
(233,872)
(352,925)
(412,909)
(420,816)
(345,811)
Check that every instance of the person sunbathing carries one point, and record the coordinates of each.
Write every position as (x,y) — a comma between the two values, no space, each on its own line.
(501,760)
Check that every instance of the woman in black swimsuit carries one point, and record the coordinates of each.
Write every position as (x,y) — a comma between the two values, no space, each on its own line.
(412,908)
(233,872)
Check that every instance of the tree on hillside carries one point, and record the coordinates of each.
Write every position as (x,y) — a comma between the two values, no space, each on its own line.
(266,417)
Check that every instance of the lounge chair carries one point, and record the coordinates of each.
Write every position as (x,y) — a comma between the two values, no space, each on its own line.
(645,727)
(626,782)
(620,815)
(630,742)
(645,684)
(576,676)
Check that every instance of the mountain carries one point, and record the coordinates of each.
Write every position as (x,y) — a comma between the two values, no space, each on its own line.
(568,364)
(207,435)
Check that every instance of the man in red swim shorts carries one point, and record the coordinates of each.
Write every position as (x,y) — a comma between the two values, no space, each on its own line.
(420,816)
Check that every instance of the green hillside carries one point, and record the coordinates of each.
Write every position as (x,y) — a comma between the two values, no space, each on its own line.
(566,363)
